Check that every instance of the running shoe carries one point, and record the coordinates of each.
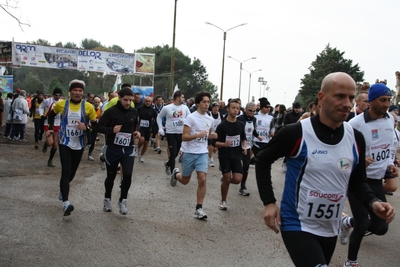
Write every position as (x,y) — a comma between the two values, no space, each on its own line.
(244,192)
(36,145)
(173,180)
(102,162)
(5,137)
(50,163)
(212,163)
(67,208)
(90,157)
(158,150)
(23,140)
(167,168)
(344,229)
(141,159)
(368,233)
(351,263)
(107,205)
(199,214)
(223,205)
(123,206)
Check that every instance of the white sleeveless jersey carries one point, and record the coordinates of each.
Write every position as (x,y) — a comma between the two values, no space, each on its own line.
(249,129)
(316,183)
(378,135)
(263,125)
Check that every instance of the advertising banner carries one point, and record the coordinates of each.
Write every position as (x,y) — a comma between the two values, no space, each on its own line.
(78,59)
(5,52)
(6,84)
(144,91)
(145,63)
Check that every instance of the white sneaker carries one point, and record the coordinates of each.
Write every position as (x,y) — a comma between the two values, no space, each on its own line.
(212,163)
(141,159)
(167,169)
(344,230)
(173,180)
(107,205)
(123,206)
(351,263)
(67,208)
(199,214)
(90,158)
(223,205)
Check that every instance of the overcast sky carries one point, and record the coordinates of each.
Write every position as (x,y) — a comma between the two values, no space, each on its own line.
(285,36)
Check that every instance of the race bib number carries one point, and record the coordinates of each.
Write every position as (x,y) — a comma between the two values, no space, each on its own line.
(201,139)
(380,152)
(72,131)
(177,124)
(123,139)
(325,206)
(144,123)
(262,131)
(235,140)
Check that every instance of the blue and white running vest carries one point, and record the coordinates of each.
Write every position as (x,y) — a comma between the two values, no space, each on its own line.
(316,183)
(69,134)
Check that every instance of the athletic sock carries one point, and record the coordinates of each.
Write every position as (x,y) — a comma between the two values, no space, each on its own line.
(52,153)
(199,206)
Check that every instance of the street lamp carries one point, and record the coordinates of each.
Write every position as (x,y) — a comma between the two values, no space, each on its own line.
(266,87)
(240,75)
(248,96)
(223,51)
(261,81)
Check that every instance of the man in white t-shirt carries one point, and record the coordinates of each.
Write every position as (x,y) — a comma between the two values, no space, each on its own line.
(174,114)
(197,130)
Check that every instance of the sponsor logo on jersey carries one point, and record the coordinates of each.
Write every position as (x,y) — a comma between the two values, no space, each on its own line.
(374,134)
(343,164)
(330,196)
(318,151)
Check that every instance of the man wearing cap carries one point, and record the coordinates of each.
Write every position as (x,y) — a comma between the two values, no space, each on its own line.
(75,116)
(217,120)
(37,120)
(51,139)
(264,126)
(395,109)
(376,125)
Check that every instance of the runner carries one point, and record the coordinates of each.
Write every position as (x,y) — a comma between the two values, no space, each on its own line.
(75,116)
(174,114)
(217,120)
(119,123)
(376,124)
(325,158)
(232,145)
(147,117)
(196,131)
(51,139)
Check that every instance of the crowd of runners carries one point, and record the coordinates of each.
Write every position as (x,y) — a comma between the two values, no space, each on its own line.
(335,150)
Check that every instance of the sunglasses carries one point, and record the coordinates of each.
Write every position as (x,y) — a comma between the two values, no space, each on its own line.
(251,110)
(57,95)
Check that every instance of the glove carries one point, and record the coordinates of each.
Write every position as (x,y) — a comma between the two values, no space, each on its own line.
(161,132)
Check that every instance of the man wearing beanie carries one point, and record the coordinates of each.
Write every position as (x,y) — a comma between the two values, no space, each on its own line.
(51,139)
(394,108)
(376,124)
(75,116)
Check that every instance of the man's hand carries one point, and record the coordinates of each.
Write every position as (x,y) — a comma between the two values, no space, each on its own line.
(81,126)
(393,170)
(117,128)
(49,133)
(161,132)
(136,135)
(383,210)
(272,217)
(368,160)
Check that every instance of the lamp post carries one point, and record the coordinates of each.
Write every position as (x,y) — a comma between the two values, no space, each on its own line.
(260,80)
(266,87)
(171,88)
(240,75)
(223,52)
(248,96)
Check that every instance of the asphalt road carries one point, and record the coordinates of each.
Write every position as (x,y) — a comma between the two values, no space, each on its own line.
(159,229)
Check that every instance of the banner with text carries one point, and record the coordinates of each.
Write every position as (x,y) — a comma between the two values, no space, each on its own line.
(6,84)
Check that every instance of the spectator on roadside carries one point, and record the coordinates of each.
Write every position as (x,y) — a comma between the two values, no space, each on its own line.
(20,113)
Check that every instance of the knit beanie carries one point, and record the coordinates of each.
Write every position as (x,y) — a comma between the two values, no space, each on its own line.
(393,107)
(263,102)
(77,84)
(378,89)
(57,91)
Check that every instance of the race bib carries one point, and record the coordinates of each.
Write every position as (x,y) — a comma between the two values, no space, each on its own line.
(177,124)
(123,139)
(72,131)
(144,123)
(325,206)
(380,152)
(235,140)
(262,131)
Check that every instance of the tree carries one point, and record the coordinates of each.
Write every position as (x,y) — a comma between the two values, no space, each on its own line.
(8,7)
(90,44)
(328,61)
